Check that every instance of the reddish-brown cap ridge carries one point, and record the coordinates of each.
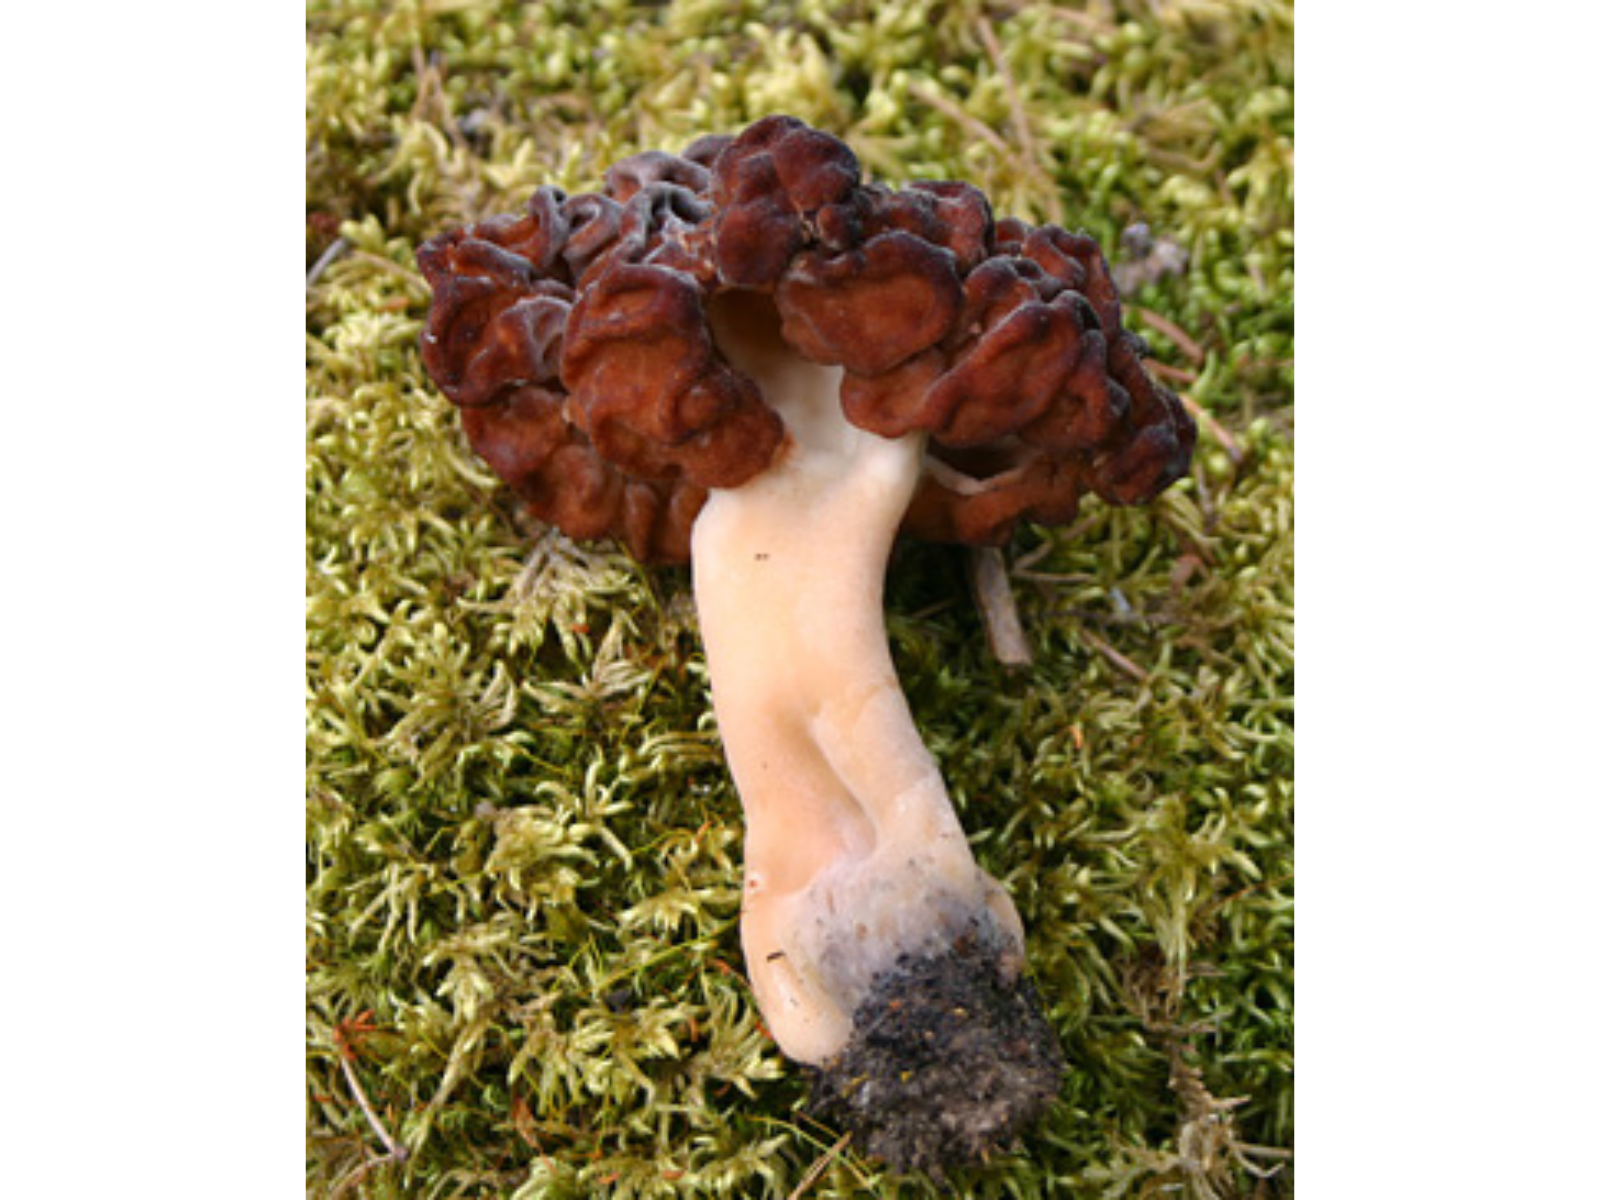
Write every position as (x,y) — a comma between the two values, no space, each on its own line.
(574,337)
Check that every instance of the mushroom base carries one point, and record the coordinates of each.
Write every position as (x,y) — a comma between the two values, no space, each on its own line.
(950,1057)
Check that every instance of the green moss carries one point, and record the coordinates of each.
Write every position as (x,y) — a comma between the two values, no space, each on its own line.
(523,848)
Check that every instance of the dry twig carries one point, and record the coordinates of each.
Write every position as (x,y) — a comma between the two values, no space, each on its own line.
(1115,657)
(1031,157)
(997,604)
(818,1167)
(960,116)
(1226,440)
(1174,333)
(346,1037)
(430,91)
(1178,374)
(396,1151)
(325,260)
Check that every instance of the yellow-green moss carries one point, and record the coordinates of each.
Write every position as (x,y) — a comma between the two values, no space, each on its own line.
(522,845)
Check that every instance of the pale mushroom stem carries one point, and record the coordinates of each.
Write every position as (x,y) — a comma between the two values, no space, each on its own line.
(854,857)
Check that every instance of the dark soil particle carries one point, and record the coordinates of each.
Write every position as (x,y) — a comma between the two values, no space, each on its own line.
(950,1058)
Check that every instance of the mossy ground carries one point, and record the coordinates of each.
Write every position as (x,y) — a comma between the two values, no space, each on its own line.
(523,849)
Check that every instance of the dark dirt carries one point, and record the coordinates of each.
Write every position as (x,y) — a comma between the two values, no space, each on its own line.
(949,1060)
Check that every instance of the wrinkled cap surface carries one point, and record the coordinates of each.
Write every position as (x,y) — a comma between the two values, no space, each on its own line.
(574,337)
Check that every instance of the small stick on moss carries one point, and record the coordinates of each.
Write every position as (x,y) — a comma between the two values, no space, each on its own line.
(325,260)
(1038,554)
(388,264)
(1173,332)
(997,604)
(1166,372)
(1230,447)
(1208,506)
(430,90)
(960,116)
(818,1167)
(1113,656)
(1019,118)
(347,1054)
(357,1175)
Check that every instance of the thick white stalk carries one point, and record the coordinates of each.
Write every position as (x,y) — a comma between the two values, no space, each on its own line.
(853,853)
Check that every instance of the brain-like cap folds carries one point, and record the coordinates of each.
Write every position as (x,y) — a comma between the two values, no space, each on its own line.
(574,336)
(779,186)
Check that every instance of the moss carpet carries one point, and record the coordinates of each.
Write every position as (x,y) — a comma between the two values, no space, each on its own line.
(523,965)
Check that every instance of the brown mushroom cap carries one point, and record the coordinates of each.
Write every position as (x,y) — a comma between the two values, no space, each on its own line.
(574,337)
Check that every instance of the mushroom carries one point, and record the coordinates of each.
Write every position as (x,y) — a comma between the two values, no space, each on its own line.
(747,357)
